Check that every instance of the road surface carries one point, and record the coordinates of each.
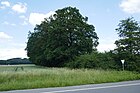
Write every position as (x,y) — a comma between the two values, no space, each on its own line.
(120,87)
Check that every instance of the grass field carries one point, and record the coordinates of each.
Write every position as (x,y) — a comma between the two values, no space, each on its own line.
(41,77)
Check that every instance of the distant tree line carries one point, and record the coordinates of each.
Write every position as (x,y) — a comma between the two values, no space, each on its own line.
(15,61)
(67,39)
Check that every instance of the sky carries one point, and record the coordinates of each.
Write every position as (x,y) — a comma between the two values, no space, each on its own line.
(18,17)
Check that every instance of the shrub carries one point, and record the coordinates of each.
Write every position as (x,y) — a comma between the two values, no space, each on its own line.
(94,60)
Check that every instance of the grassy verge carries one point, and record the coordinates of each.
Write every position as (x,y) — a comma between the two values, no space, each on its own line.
(38,77)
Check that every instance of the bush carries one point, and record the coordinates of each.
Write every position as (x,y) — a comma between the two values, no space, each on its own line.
(94,60)
(132,63)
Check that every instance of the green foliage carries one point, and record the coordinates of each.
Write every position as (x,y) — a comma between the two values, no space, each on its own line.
(129,32)
(128,46)
(60,38)
(94,60)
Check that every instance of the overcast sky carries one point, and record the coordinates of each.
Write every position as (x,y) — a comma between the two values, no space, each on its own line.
(18,17)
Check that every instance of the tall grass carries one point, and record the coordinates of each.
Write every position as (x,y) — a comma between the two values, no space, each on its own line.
(39,77)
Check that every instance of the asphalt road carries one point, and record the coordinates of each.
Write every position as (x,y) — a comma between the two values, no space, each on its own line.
(120,87)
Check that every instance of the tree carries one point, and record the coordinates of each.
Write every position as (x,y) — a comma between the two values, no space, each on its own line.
(128,47)
(60,38)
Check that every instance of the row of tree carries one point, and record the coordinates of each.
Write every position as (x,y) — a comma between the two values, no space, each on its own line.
(63,37)
(15,61)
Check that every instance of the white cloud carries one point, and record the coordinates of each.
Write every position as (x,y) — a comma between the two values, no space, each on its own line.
(4,36)
(2,7)
(12,50)
(24,23)
(5,3)
(106,44)
(25,20)
(5,23)
(23,17)
(7,53)
(106,47)
(13,24)
(130,6)
(20,8)
(36,18)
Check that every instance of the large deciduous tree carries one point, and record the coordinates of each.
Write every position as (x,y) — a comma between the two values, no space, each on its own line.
(128,46)
(60,38)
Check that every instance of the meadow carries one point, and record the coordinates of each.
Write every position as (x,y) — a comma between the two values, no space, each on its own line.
(42,77)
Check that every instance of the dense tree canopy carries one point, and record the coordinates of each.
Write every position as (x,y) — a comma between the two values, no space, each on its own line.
(129,31)
(60,38)
(128,46)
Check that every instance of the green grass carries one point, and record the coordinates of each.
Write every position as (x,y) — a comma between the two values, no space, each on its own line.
(40,77)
